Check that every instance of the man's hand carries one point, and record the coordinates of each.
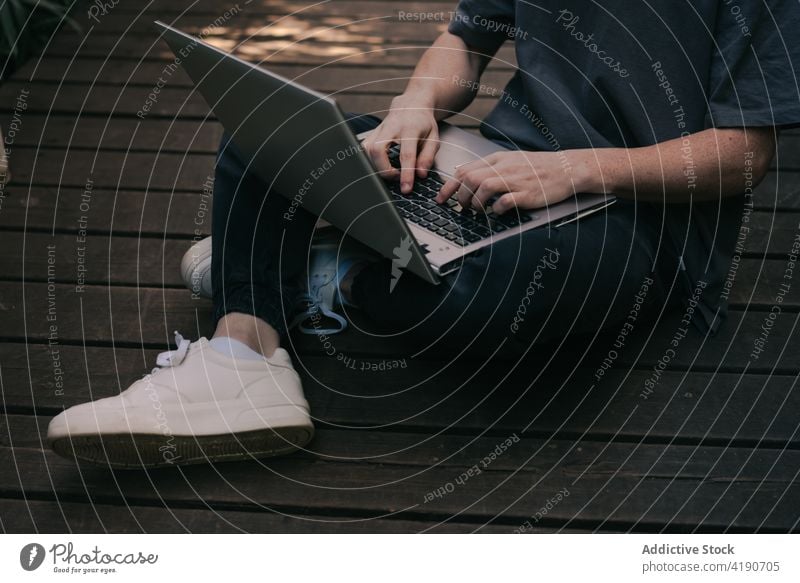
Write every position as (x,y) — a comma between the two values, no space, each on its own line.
(431,96)
(414,127)
(526,180)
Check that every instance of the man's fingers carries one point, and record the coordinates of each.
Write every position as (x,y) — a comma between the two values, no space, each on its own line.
(448,189)
(488,188)
(377,151)
(408,163)
(471,183)
(427,155)
(452,185)
(507,202)
(464,195)
(468,174)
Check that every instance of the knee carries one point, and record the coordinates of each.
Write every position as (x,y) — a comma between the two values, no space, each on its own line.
(229,157)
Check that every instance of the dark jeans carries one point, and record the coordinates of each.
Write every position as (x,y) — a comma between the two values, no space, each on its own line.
(536,287)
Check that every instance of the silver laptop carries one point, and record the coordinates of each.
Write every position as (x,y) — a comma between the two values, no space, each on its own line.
(298,141)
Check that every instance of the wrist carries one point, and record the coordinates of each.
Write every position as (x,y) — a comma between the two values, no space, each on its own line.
(594,170)
(414,100)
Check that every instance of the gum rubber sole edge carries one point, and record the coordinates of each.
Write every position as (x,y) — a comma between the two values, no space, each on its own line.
(136,451)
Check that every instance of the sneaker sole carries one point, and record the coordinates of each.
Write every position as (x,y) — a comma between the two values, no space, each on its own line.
(136,451)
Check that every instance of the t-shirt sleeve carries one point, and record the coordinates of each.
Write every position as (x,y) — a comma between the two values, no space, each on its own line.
(484,24)
(755,70)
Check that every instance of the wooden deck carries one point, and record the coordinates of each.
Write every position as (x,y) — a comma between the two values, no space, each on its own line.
(103,203)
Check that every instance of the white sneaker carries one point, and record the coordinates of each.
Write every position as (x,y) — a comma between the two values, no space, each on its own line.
(197,406)
(196,268)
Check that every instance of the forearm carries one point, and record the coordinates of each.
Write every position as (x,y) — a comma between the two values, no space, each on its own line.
(445,78)
(706,165)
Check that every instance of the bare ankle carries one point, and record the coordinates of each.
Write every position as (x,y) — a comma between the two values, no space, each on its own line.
(249,330)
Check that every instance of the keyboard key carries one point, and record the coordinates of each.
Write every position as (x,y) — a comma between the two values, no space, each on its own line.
(498,227)
(451,227)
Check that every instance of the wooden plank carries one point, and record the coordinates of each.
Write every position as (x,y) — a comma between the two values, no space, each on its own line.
(368,26)
(432,396)
(124,212)
(48,517)
(153,261)
(255,8)
(408,449)
(271,6)
(116,133)
(129,308)
(378,473)
(71,130)
(730,350)
(154,314)
(326,78)
(312,51)
(109,170)
(178,103)
(119,260)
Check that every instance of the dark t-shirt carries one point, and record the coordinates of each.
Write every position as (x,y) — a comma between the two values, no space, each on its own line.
(629,73)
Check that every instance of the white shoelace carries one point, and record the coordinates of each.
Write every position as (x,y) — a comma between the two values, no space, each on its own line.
(171,358)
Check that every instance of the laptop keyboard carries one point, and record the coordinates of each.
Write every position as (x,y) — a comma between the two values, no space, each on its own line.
(448,220)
